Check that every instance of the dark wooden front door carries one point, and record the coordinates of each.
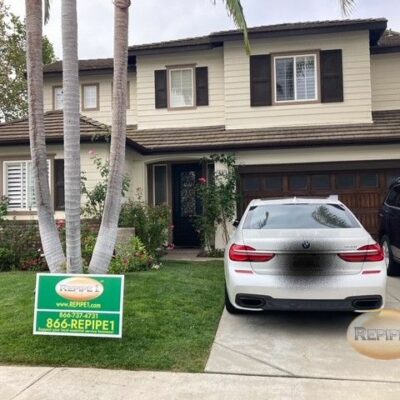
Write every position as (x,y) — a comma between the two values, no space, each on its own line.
(185,203)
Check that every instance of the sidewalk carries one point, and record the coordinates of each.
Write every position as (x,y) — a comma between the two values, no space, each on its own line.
(36,383)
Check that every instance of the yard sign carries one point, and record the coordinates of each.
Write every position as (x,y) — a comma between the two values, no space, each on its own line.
(79,305)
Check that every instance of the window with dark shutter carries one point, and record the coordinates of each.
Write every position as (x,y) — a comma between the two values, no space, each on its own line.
(260,80)
(160,83)
(202,86)
(59,197)
(331,76)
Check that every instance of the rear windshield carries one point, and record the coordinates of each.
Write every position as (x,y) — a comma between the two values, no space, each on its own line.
(299,216)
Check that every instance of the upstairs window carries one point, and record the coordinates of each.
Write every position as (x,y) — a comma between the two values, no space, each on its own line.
(295,78)
(19,185)
(181,87)
(58,97)
(90,97)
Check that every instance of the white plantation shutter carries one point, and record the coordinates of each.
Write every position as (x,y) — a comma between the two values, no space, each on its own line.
(19,184)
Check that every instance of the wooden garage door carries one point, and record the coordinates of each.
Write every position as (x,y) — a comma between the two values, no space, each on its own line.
(362,191)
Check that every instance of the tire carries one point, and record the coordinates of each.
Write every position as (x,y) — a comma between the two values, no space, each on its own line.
(393,267)
(230,307)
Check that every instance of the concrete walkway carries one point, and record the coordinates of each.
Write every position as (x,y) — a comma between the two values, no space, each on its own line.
(32,383)
(298,345)
(187,255)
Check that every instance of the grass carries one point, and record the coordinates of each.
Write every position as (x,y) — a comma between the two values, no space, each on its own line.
(170,320)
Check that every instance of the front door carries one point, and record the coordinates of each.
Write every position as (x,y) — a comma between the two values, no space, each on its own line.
(185,203)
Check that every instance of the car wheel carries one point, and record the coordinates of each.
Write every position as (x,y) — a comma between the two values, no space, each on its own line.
(393,267)
(230,307)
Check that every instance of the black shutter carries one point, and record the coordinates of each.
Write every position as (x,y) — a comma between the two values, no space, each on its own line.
(331,76)
(202,86)
(59,197)
(260,81)
(160,83)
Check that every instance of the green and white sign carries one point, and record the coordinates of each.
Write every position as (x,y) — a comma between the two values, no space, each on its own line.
(79,305)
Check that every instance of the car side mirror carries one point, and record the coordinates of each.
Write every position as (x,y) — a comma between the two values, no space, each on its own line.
(236,223)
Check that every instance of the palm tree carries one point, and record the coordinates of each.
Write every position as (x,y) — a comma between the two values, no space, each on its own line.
(72,162)
(107,237)
(48,232)
(347,6)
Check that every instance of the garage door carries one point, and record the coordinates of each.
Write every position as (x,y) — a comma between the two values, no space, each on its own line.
(361,190)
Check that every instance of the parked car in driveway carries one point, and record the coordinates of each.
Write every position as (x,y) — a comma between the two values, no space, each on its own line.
(390,229)
(303,254)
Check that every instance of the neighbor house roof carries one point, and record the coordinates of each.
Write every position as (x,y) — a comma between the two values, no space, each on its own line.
(384,129)
(388,43)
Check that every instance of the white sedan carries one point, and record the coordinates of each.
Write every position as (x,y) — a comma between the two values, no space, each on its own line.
(303,254)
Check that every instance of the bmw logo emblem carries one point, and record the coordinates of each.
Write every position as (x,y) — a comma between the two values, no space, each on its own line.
(306,245)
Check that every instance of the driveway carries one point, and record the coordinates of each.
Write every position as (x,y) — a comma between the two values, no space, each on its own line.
(298,345)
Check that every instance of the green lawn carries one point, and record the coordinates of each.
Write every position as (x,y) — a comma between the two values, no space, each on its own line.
(170,320)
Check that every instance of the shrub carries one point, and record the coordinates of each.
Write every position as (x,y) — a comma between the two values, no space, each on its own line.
(219,198)
(8,259)
(131,257)
(151,223)
(96,196)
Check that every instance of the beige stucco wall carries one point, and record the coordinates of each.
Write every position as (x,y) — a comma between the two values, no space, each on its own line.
(213,114)
(385,76)
(104,114)
(356,80)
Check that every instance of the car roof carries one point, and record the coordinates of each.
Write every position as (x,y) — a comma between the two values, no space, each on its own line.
(333,199)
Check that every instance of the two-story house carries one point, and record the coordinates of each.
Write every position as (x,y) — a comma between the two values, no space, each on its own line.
(315,110)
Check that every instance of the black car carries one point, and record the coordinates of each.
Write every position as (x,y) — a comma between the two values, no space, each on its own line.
(390,229)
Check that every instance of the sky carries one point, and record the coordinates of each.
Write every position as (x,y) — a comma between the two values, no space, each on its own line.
(159,20)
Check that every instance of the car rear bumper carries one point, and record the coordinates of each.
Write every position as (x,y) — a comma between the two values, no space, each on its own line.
(354,303)
(334,292)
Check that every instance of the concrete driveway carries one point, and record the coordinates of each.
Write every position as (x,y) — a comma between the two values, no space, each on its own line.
(298,345)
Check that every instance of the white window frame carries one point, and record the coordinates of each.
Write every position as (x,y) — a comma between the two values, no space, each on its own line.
(316,69)
(5,180)
(183,68)
(154,182)
(55,88)
(97,106)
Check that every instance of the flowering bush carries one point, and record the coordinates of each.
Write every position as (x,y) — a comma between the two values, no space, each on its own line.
(219,198)
(131,257)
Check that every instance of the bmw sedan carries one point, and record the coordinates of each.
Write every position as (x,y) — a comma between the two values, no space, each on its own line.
(303,254)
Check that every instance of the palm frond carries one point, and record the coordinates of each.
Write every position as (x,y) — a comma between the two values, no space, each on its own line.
(46,11)
(347,6)
(235,10)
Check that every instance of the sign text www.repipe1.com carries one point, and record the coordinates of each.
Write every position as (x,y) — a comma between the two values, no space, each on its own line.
(79,305)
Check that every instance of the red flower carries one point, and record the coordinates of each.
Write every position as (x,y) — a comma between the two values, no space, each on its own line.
(202,180)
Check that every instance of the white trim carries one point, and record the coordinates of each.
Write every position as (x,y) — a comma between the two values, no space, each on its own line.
(191,69)
(294,57)
(166,182)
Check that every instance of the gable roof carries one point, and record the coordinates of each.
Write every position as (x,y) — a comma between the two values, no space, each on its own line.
(376,27)
(384,129)
(17,132)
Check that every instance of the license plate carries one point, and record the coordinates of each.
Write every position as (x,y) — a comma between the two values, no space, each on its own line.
(306,261)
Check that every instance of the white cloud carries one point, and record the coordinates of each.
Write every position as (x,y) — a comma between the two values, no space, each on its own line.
(156,20)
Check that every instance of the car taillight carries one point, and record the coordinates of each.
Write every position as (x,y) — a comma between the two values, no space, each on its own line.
(238,252)
(367,253)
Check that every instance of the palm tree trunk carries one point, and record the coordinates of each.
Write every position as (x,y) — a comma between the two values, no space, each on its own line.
(72,161)
(48,232)
(105,244)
